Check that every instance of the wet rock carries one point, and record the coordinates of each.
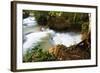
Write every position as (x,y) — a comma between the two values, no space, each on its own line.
(74,52)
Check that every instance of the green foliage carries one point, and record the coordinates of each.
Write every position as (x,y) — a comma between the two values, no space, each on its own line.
(28,56)
(37,54)
(85,30)
(25,13)
(41,17)
(41,55)
(85,27)
(59,21)
(55,13)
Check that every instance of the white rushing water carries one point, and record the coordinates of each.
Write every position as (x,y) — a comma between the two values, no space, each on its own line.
(48,36)
(33,39)
(67,39)
(29,21)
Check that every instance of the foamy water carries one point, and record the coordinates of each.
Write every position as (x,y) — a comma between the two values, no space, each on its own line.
(48,36)
(67,39)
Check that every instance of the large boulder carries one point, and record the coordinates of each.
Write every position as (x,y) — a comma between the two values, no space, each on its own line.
(58,23)
(62,52)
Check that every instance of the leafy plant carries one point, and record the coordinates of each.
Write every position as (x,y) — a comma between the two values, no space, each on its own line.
(37,54)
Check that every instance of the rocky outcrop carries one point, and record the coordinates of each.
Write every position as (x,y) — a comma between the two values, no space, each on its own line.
(74,52)
(58,23)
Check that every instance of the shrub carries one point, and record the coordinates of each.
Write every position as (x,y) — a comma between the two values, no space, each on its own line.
(37,54)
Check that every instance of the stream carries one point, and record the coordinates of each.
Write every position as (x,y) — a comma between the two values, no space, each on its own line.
(32,35)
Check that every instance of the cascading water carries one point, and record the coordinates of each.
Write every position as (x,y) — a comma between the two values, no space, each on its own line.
(33,35)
